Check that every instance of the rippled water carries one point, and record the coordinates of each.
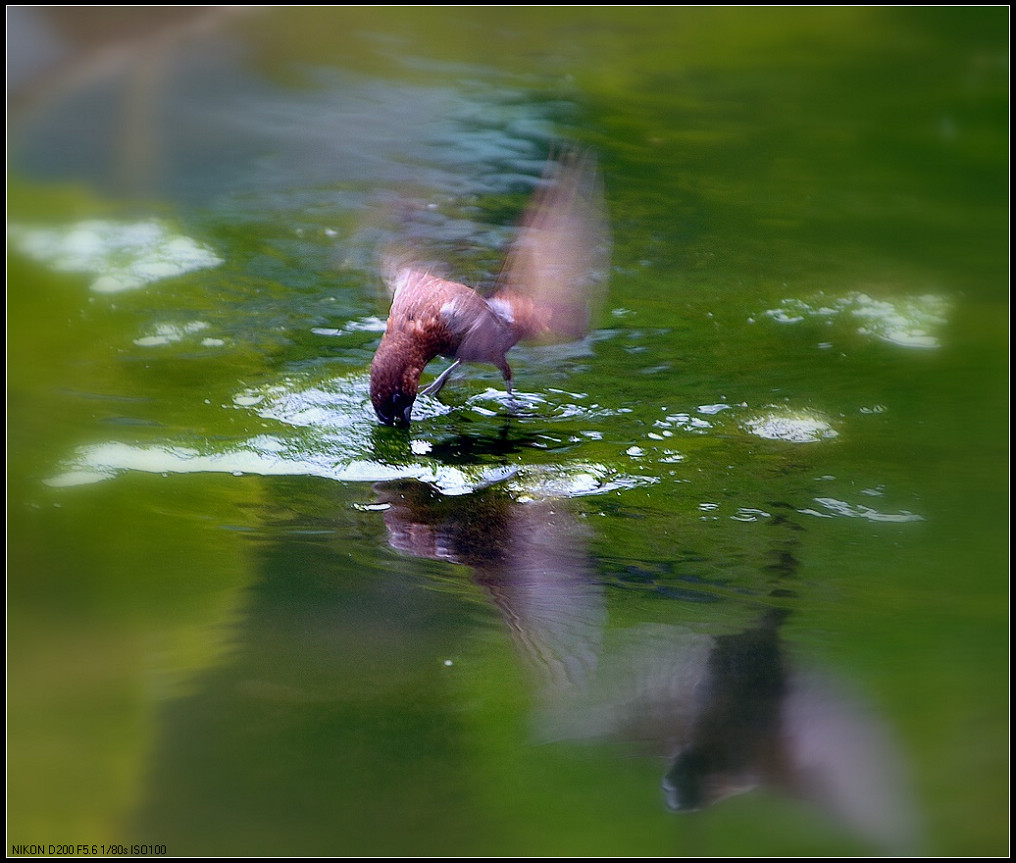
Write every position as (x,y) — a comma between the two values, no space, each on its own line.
(725,577)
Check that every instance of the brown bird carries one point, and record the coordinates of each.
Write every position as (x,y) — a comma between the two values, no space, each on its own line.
(553,275)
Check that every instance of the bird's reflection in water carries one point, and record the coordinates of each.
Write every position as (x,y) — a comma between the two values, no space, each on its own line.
(729,712)
(530,558)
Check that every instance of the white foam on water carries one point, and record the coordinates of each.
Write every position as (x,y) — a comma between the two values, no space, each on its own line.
(909,321)
(121,256)
(791,426)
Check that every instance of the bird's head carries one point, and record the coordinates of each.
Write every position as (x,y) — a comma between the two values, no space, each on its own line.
(393,407)
(394,381)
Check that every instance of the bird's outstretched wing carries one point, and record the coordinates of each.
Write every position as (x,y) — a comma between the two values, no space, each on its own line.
(555,274)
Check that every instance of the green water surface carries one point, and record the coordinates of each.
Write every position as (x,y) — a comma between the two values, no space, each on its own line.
(759,515)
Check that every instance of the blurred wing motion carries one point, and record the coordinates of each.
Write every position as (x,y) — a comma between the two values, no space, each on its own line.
(555,274)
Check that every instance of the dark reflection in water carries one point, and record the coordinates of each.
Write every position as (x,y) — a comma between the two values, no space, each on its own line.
(730,713)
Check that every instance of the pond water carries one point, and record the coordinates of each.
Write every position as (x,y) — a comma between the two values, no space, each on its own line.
(728,576)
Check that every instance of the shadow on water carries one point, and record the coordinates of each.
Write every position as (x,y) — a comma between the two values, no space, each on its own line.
(460,448)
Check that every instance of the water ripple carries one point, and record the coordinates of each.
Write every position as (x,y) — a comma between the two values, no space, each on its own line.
(834,508)
(328,431)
